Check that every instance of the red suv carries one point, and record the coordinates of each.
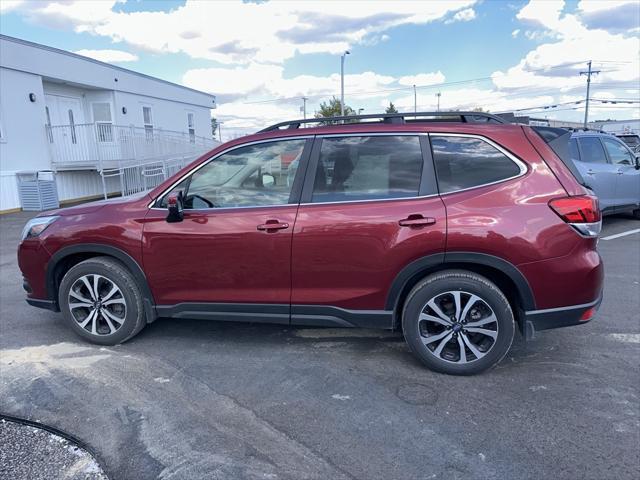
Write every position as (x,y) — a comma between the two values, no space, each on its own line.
(453,227)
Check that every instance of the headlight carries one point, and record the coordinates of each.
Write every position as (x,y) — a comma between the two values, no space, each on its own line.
(36,226)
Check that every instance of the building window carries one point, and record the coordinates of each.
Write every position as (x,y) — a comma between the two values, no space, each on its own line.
(102,119)
(49,132)
(147,120)
(191,127)
(72,127)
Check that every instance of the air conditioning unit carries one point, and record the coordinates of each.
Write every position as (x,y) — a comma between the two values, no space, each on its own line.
(37,191)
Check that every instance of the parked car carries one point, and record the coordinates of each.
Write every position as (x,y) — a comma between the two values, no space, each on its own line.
(632,140)
(454,228)
(610,169)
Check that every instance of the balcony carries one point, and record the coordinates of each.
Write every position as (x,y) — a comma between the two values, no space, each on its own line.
(103,146)
(134,158)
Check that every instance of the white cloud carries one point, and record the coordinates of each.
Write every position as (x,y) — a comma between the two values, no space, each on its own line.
(465,15)
(544,13)
(7,5)
(515,33)
(557,64)
(242,32)
(108,55)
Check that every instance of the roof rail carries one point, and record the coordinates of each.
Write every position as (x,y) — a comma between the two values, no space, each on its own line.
(396,118)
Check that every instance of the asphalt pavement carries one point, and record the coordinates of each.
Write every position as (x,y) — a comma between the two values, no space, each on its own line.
(198,399)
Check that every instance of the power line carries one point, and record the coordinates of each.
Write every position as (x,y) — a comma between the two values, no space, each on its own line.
(410,87)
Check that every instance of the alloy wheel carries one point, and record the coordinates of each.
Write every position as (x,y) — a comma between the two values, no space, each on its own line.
(458,327)
(97,304)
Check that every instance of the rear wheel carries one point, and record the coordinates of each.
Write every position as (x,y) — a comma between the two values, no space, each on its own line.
(458,322)
(101,301)
(636,214)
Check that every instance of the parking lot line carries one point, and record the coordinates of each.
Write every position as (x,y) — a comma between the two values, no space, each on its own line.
(623,234)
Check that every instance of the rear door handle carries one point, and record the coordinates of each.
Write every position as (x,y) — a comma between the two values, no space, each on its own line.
(590,172)
(620,172)
(416,221)
(273,225)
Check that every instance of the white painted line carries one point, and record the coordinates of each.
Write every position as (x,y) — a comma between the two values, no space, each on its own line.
(626,337)
(623,234)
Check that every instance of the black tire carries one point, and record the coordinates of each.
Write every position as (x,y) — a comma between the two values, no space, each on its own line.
(636,214)
(436,286)
(116,273)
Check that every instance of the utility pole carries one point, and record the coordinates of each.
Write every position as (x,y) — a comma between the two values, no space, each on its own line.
(346,52)
(438,95)
(588,73)
(415,99)
(304,107)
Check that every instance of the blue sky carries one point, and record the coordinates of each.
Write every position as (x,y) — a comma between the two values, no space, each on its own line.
(527,54)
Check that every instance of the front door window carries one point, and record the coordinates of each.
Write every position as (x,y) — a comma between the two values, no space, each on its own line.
(252,176)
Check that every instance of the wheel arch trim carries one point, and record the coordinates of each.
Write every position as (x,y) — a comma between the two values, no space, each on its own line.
(106,250)
(441,260)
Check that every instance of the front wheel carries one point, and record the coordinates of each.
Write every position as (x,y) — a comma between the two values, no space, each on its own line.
(458,322)
(101,301)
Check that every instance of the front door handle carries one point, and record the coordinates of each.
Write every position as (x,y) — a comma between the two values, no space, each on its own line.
(620,171)
(272,225)
(590,172)
(416,221)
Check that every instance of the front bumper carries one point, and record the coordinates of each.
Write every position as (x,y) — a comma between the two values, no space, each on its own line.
(535,320)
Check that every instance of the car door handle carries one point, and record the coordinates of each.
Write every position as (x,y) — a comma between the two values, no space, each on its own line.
(590,172)
(273,225)
(620,172)
(416,221)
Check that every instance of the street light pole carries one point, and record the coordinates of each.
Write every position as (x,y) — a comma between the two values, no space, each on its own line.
(415,99)
(346,52)
(438,95)
(304,107)
(220,130)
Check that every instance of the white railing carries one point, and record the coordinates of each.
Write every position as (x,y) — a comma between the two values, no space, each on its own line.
(141,177)
(105,146)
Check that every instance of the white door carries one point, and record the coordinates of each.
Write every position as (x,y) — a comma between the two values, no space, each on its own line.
(67,133)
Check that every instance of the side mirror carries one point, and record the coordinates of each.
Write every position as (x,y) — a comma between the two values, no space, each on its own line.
(268,180)
(175,207)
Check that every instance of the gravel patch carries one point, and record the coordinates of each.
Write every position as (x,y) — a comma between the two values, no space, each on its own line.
(31,453)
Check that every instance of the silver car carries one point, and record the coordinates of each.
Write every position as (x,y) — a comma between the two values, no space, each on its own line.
(610,169)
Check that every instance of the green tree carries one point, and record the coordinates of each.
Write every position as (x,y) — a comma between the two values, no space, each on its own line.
(332,109)
(391,108)
(214,126)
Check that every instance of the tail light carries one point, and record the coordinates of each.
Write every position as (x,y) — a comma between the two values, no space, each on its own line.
(581,212)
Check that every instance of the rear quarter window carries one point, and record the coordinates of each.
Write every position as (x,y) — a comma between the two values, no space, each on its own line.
(466,162)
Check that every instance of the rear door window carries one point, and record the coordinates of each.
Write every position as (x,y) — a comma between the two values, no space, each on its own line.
(466,162)
(591,150)
(618,153)
(573,149)
(368,167)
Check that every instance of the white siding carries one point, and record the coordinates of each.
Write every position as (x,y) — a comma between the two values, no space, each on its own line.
(167,115)
(9,198)
(80,184)
(53,63)
(24,145)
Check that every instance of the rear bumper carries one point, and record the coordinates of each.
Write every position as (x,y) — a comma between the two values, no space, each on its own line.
(559,317)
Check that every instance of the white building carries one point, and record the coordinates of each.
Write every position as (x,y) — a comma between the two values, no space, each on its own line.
(100,128)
